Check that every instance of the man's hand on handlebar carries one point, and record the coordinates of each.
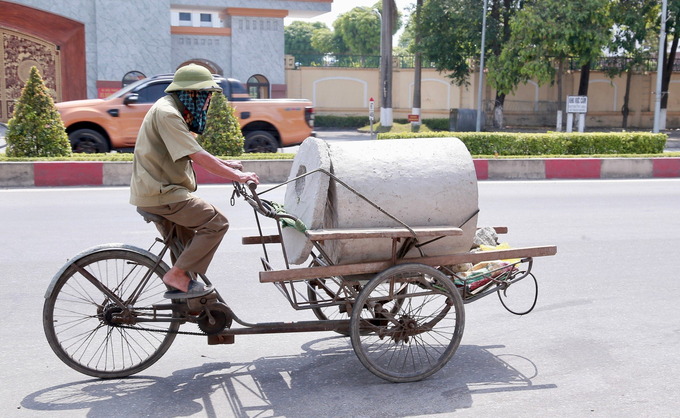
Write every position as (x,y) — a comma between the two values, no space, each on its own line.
(237,165)
(249,177)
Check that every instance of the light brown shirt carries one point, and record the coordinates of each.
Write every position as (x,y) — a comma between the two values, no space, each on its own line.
(161,169)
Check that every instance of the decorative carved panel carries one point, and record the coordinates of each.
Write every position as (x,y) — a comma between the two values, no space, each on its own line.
(19,52)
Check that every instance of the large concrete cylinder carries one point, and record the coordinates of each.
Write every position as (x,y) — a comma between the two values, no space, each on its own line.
(421,182)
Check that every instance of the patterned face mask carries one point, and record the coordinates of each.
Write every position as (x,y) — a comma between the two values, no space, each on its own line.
(195,108)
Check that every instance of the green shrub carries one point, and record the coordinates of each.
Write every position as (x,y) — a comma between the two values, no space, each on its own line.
(490,143)
(36,130)
(222,134)
(438,124)
(332,121)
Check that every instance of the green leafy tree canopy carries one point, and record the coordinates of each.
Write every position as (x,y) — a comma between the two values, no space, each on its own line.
(548,30)
(359,29)
(36,130)
(298,36)
(222,134)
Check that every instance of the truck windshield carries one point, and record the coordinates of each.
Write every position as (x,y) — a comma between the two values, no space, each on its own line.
(127,89)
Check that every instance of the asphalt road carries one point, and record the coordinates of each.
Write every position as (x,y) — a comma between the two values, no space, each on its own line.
(602,341)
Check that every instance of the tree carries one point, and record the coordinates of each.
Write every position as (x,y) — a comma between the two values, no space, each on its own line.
(546,32)
(451,37)
(298,36)
(360,31)
(222,134)
(672,29)
(634,23)
(327,41)
(36,130)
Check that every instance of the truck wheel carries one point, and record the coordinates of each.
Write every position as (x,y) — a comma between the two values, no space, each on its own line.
(260,141)
(88,141)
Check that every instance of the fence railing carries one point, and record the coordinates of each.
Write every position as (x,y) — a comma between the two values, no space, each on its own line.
(408,61)
(354,61)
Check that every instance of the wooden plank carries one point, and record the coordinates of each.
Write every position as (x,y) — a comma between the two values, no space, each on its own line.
(268,239)
(378,266)
(499,229)
(395,232)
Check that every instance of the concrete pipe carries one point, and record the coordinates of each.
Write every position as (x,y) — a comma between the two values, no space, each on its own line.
(421,182)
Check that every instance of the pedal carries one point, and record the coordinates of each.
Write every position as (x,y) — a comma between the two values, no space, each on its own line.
(220,339)
(199,303)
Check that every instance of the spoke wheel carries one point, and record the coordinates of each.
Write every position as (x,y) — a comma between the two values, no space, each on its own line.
(91,333)
(410,323)
(328,289)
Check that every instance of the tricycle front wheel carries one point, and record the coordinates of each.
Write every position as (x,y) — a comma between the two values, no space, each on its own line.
(407,323)
(80,319)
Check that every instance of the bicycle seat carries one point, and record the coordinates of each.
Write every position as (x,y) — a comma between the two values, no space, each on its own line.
(150,217)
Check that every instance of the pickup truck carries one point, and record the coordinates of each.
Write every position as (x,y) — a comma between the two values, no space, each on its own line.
(102,125)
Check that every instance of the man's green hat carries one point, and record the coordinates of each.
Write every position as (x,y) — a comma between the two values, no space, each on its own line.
(193,77)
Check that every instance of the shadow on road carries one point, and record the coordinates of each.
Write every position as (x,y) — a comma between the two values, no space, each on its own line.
(325,381)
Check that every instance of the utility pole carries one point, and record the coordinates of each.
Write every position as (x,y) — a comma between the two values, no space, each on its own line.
(418,68)
(481,71)
(659,69)
(386,63)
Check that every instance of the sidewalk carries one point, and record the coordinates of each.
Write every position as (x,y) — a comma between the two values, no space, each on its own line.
(57,174)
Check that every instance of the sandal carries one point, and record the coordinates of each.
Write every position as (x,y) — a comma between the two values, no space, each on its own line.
(195,290)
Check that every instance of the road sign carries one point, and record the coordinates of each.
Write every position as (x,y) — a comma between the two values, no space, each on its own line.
(414,118)
(371,108)
(577,104)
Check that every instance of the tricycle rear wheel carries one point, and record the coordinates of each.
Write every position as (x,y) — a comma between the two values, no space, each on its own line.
(407,323)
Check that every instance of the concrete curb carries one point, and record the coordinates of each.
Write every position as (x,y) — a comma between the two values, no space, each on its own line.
(59,174)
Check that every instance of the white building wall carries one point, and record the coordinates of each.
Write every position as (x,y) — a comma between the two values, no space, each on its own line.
(257,48)
(132,36)
(126,35)
(216,49)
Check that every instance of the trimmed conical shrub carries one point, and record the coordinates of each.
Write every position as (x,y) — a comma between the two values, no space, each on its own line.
(222,134)
(36,130)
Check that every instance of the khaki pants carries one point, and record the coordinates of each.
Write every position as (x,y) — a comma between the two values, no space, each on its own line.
(200,229)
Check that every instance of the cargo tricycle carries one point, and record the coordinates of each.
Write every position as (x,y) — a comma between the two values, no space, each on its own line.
(105,316)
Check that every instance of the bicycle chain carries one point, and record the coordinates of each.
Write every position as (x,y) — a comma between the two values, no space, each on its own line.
(178,332)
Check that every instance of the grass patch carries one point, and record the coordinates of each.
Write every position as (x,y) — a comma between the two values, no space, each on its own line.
(396,128)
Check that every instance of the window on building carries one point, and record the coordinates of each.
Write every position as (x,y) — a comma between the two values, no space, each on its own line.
(258,87)
(206,19)
(184,19)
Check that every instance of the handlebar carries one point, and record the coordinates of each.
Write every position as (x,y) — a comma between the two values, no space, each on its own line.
(264,207)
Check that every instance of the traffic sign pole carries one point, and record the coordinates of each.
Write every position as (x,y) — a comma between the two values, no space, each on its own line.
(371,114)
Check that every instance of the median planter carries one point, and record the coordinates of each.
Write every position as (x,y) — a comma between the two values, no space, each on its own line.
(118,173)
(552,143)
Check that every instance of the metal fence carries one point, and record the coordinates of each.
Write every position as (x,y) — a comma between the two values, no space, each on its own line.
(408,61)
(354,61)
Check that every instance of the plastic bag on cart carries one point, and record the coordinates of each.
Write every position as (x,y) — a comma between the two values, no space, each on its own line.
(485,236)
(501,246)
(482,273)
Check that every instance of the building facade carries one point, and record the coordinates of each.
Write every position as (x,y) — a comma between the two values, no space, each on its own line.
(85,48)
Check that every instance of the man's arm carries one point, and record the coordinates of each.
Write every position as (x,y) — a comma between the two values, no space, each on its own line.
(222,168)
